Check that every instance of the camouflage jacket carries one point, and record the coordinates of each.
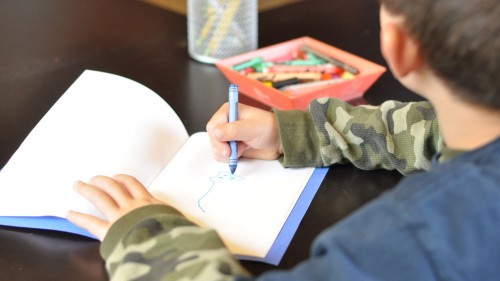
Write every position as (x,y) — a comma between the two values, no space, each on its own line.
(158,243)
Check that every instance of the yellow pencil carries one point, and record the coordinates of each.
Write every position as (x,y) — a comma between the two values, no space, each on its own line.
(223,27)
(211,15)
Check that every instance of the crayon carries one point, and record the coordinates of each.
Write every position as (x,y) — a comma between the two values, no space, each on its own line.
(284,83)
(284,76)
(312,85)
(330,59)
(324,68)
(248,63)
(233,116)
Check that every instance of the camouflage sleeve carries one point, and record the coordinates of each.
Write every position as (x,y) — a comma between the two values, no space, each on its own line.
(394,135)
(157,243)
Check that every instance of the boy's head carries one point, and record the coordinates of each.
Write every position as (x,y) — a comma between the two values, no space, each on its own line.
(459,40)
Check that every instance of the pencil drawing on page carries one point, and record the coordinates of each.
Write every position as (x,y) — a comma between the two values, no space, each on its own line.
(220,177)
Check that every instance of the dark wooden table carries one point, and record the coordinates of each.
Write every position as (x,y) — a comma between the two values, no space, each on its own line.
(46,44)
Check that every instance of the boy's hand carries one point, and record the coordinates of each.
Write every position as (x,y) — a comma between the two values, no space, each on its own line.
(113,197)
(256,131)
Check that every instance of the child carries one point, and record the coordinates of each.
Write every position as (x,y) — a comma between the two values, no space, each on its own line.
(441,224)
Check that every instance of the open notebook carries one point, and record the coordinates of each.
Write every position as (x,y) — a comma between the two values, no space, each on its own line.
(105,124)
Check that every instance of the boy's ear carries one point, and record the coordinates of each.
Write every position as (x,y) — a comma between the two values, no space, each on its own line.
(399,50)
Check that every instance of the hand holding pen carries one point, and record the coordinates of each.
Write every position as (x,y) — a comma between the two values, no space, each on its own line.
(255,131)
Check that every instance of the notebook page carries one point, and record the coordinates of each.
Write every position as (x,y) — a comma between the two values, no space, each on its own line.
(248,209)
(103,124)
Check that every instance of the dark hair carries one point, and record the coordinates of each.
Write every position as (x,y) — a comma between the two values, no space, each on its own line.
(460,41)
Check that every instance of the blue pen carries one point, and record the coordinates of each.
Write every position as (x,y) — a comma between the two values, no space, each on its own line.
(233,115)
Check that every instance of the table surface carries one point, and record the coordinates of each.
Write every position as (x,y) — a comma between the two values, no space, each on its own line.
(46,44)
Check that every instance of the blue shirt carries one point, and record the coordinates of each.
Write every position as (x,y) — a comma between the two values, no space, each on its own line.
(443,224)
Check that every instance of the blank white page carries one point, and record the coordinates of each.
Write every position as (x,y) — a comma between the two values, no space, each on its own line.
(103,124)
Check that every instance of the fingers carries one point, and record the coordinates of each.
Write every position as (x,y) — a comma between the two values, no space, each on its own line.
(113,197)
(220,148)
(100,198)
(241,130)
(256,131)
(94,225)
(219,117)
(116,190)
(134,188)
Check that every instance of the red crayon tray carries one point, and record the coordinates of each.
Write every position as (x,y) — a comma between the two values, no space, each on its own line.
(369,72)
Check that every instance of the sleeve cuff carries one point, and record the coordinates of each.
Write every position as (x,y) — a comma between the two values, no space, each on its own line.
(123,225)
(298,138)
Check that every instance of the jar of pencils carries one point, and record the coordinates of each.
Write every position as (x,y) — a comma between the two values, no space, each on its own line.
(219,29)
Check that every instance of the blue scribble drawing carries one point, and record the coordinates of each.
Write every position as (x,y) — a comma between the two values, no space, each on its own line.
(221,176)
